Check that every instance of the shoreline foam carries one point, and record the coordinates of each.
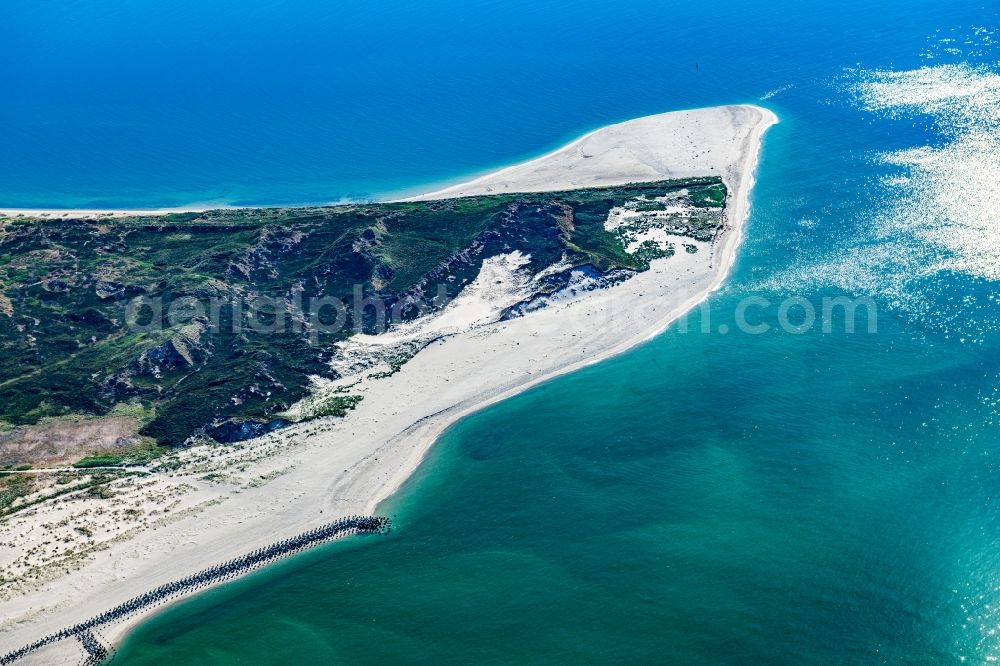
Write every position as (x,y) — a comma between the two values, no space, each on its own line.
(365,458)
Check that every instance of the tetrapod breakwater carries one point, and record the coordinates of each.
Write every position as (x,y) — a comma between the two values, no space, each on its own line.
(96,651)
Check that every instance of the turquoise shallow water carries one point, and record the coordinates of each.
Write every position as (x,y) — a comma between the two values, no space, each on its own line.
(707,497)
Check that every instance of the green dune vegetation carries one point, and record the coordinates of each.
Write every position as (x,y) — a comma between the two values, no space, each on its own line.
(210,324)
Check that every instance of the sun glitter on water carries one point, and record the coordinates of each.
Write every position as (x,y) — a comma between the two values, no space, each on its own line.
(927,248)
(948,193)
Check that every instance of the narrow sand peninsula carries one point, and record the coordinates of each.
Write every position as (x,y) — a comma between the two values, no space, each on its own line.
(306,475)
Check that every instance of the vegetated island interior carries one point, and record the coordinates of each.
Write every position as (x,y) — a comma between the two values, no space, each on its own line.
(90,380)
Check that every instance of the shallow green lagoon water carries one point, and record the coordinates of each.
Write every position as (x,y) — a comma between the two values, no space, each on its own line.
(665,506)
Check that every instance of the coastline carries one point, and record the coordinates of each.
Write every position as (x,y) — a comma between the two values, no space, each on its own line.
(98,213)
(736,214)
(378,448)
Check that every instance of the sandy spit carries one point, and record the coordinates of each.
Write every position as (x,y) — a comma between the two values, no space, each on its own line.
(352,465)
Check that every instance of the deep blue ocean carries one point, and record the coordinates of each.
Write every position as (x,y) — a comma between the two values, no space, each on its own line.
(254,102)
(823,497)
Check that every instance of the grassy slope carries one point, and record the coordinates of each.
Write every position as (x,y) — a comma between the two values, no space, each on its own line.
(65,348)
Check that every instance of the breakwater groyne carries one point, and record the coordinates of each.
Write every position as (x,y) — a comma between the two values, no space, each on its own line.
(97,652)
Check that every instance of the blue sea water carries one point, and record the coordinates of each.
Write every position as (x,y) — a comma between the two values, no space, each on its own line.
(146,104)
(705,498)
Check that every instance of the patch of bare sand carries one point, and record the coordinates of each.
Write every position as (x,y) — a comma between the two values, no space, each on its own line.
(67,439)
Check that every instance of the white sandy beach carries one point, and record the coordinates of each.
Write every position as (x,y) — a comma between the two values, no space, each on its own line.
(97,213)
(312,473)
